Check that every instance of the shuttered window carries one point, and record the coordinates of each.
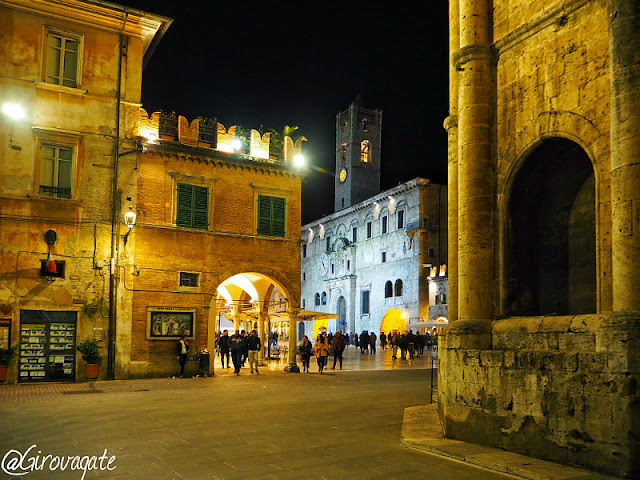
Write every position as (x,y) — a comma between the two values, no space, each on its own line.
(193,206)
(271,216)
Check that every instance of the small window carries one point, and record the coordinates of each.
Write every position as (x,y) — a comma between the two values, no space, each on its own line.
(385,222)
(304,250)
(333,269)
(400,219)
(384,257)
(344,126)
(343,153)
(304,303)
(365,151)
(354,234)
(304,276)
(348,265)
(62,59)
(365,124)
(388,289)
(192,206)
(365,301)
(271,216)
(188,279)
(317,298)
(432,252)
(328,243)
(398,288)
(59,273)
(56,165)
(324,298)
(368,229)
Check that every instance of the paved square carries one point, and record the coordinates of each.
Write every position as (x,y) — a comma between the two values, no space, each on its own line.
(341,424)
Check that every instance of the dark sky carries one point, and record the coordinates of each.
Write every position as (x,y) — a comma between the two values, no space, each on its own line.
(273,64)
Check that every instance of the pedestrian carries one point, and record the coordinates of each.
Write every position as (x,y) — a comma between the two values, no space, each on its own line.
(372,343)
(339,344)
(383,340)
(224,348)
(275,339)
(237,349)
(394,344)
(245,353)
(364,342)
(182,349)
(356,340)
(253,348)
(321,351)
(411,343)
(305,353)
(402,343)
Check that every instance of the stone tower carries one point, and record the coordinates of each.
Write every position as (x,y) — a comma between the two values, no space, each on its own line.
(542,355)
(358,147)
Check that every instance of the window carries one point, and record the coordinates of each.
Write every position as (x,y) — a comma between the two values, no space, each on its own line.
(388,289)
(317,298)
(192,206)
(304,303)
(56,165)
(365,124)
(324,298)
(432,252)
(348,265)
(343,153)
(384,257)
(271,216)
(368,229)
(328,243)
(365,301)
(365,151)
(385,222)
(400,219)
(63,58)
(333,269)
(398,288)
(304,250)
(188,279)
(304,276)
(354,234)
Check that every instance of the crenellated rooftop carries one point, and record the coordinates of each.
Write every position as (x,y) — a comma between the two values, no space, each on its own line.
(213,135)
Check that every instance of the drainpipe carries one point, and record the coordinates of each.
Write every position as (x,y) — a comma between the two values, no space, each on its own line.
(115,222)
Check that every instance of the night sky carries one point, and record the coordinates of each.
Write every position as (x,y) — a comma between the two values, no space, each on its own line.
(274,65)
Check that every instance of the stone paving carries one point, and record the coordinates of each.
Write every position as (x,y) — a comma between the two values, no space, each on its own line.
(341,424)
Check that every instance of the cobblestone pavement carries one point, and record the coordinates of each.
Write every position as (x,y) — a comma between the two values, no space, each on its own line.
(341,424)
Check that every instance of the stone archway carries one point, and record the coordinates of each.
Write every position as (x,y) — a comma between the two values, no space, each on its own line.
(393,320)
(551,265)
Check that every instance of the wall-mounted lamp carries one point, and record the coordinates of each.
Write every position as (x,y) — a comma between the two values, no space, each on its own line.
(298,161)
(129,221)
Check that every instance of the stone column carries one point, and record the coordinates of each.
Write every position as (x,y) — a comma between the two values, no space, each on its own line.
(624,49)
(236,317)
(293,366)
(475,169)
(451,126)
(261,320)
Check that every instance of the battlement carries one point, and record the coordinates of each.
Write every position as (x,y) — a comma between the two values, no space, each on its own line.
(214,135)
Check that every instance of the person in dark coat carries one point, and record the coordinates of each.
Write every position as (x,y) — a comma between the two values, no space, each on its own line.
(339,344)
(383,340)
(364,342)
(253,347)
(372,343)
(224,348)
(402,343)
(237,350)
(182,349)
(305,353)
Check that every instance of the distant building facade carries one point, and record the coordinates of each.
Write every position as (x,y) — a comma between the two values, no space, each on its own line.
(369,262)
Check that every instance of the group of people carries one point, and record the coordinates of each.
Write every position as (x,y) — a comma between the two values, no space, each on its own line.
(320,349)
(242,347)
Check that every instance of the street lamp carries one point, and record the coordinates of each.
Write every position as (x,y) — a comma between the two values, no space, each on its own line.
(129,221)
(298,161)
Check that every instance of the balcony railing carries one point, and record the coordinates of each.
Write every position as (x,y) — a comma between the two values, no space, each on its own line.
(57,192)
(424,224)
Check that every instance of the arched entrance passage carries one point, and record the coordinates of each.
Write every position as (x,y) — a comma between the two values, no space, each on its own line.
(393,320)
(254,301)
(342,315)
(552,261)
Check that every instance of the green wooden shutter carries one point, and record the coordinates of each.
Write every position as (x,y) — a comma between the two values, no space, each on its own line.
(277,216)
(185,199)
(271,216)
(193,206)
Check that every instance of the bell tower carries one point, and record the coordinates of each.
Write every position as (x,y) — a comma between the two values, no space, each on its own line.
(358,146)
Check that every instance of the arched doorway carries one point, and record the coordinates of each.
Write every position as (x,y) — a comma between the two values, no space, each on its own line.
(342,315)
(392,320)
(552,261)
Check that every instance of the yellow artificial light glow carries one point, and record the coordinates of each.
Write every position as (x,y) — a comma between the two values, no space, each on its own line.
(298,160)
(130,219)
(13,110)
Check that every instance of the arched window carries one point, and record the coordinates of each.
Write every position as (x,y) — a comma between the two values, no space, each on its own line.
(388,289)
(365,151)
(324,298)
(317,299)
(398,288)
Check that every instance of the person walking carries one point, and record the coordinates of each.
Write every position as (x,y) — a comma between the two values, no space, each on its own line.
(321,350)
(245,353)
(383,340)
(364,342)
(339,344)
(372,343)
(305,353)
(253,348)
(224,348)
(394,344)
(237,349)
(411,344)
(182,349)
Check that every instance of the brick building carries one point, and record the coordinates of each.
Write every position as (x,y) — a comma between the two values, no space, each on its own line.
(72,137)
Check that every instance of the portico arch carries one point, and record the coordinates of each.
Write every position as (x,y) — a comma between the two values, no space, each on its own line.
(393,320)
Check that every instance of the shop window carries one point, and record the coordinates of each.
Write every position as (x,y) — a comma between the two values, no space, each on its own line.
(63,58)
(365,151)
(271,216)
(192,206)
(388,289)
(398,288)
(188,279)
(56,165)
(365,301)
